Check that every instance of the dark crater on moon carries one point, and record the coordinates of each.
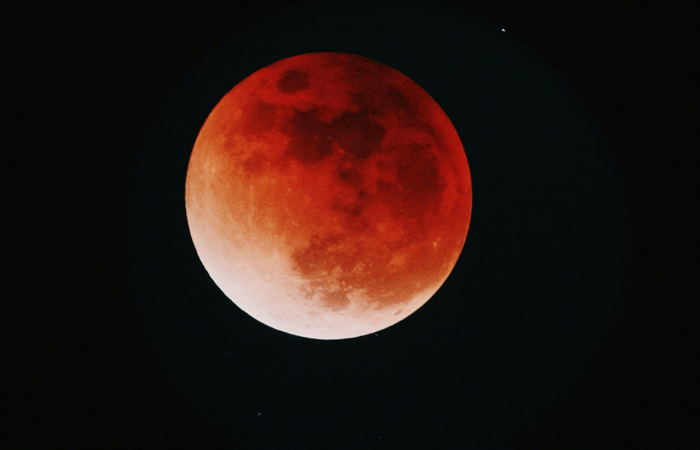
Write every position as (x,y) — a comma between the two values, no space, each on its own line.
(293,81)
(311,138)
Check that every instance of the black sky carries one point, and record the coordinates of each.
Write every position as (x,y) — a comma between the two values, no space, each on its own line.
(570,320)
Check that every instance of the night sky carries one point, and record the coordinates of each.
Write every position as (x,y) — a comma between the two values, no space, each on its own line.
(568,322)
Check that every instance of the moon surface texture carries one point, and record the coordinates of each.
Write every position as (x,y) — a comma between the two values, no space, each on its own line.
(328,195)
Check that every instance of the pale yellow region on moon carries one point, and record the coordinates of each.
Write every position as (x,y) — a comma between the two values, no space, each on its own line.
(264,275)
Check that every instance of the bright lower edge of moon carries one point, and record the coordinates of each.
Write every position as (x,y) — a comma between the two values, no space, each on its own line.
(328,196)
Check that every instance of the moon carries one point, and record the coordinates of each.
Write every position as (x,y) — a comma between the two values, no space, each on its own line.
(328,195)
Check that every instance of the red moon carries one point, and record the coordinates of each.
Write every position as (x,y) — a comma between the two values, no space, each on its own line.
(328,195)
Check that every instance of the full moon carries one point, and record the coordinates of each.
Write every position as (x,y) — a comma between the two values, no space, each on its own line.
(328,195)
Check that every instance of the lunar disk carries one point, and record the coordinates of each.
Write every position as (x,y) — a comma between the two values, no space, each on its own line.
(328,195)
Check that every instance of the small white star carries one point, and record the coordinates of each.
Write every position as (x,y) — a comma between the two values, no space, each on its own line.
(258,413)
(503,29)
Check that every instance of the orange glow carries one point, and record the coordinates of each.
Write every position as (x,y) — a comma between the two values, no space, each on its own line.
(328,195)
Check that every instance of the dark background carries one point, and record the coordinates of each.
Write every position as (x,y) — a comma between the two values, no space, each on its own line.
(116,336)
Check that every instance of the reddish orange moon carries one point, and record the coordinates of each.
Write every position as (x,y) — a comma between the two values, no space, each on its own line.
(328,195)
